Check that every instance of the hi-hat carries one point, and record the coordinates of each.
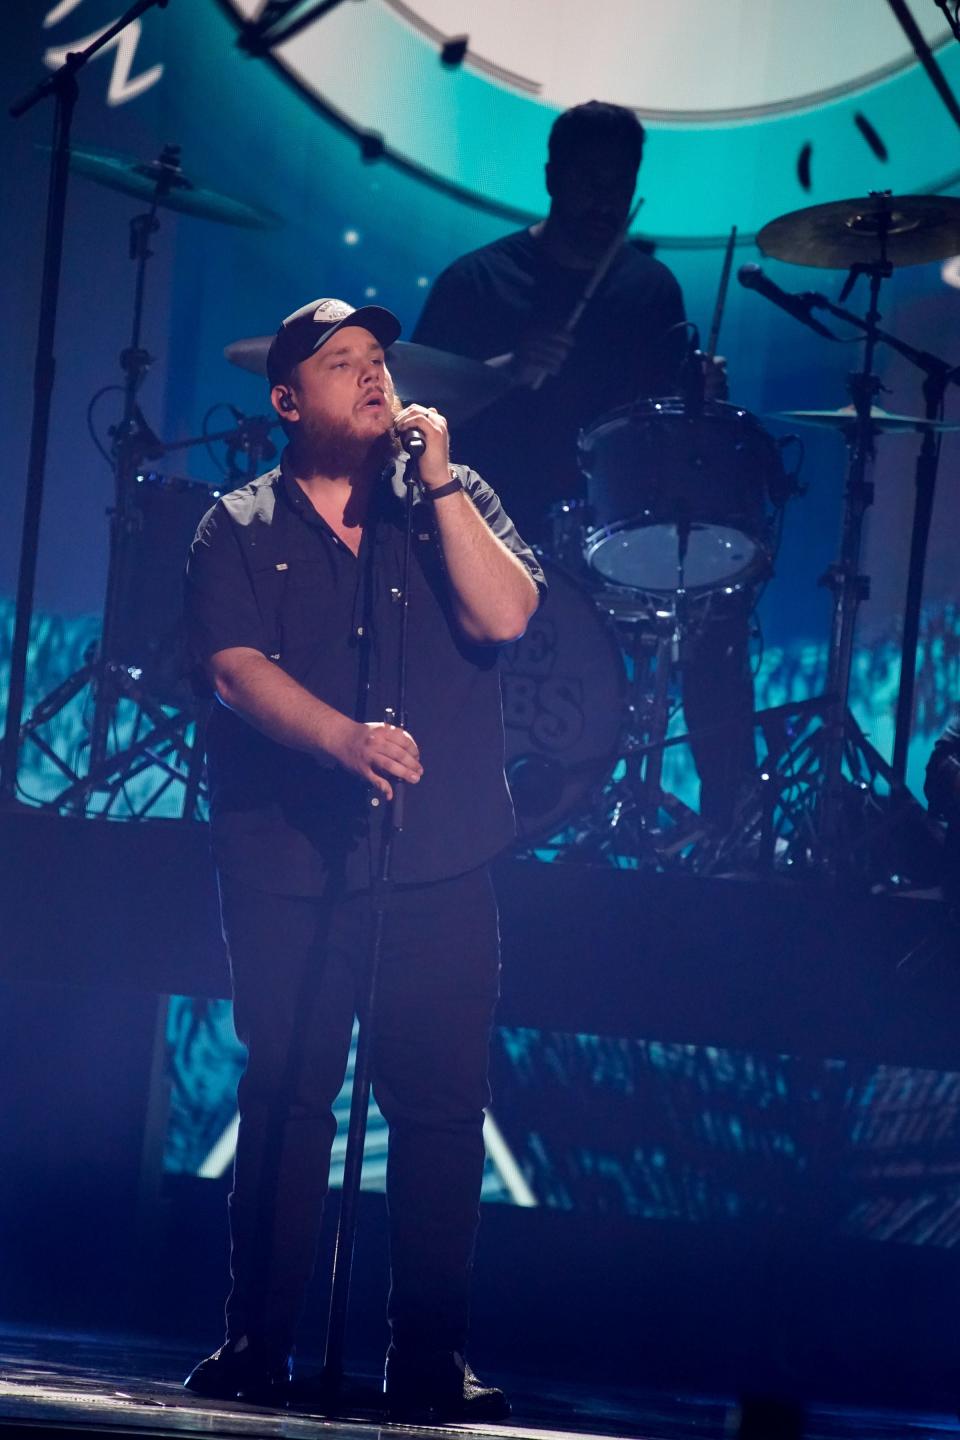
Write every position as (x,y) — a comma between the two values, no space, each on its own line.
(162,180)
(456,385)
(904,229)
(880,419)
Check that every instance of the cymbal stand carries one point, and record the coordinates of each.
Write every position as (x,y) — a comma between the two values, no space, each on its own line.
(111,676)
(828,784)
(938,374)
(133,442)
(848,586)
(823,797)
(63,86)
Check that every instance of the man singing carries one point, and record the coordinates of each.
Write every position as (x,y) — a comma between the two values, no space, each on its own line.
(294,604)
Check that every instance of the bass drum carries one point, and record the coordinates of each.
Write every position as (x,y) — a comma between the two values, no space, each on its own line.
(564,707)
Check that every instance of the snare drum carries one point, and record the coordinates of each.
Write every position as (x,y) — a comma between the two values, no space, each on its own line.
(660,479)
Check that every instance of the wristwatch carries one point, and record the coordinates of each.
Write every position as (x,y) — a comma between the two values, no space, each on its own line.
(451,488)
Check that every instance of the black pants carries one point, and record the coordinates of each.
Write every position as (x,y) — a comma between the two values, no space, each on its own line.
(297,965)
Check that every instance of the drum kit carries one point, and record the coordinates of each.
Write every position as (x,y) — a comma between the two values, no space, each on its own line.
(685,504)
(685,499)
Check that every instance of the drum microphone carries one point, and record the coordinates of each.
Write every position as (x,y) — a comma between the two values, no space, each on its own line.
(751,277)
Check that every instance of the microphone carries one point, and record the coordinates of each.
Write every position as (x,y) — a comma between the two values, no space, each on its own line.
(799,307)
(414,442)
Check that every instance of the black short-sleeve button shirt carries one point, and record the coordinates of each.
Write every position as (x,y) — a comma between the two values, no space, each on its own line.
(265,571)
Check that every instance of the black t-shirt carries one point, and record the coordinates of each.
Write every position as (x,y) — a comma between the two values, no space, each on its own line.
(265,571)
(624,346)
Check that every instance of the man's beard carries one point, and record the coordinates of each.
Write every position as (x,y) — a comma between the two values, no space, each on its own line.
(333,448)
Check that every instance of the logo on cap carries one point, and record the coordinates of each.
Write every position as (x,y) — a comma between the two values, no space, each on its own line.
(330,311)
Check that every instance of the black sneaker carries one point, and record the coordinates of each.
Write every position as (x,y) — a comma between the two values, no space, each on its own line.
(436,1386)
(243,1370)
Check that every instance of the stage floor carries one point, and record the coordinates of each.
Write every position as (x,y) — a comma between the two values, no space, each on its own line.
(57,1384)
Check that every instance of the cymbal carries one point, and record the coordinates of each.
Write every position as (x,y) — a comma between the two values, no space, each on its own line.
(249,354)
(919,228)
(176,191)
(880,419)
(458,386)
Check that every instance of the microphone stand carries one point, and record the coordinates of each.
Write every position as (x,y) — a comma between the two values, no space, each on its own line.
(62,85)
(331,1379)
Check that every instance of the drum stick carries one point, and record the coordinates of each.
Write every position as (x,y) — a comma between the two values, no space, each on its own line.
(594,283)
(718,309)
(603,265)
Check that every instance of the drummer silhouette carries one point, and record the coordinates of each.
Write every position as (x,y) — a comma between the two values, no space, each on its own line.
(511,304)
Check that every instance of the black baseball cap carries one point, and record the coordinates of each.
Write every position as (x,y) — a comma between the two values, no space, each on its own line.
(303,332)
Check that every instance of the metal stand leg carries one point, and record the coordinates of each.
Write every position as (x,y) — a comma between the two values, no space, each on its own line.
(926,482)
(342,1273)
(333,1373)
(849,588)
(43,374)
